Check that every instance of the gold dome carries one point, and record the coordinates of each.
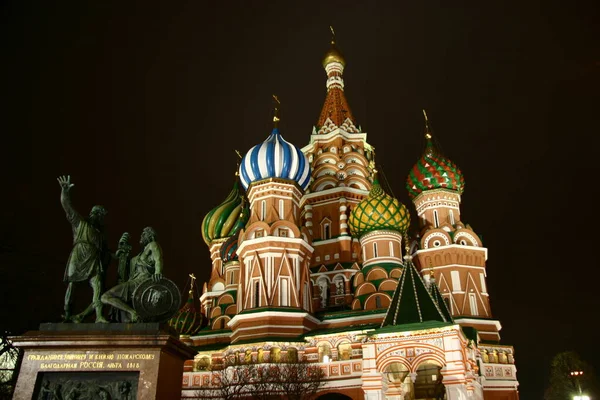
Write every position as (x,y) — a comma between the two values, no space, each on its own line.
(378,211)
(333,55)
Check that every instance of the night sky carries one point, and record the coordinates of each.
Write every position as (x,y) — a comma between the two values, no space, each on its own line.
(143,104)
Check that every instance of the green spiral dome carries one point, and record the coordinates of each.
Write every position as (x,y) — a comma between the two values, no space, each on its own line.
(378,211)
(227,218)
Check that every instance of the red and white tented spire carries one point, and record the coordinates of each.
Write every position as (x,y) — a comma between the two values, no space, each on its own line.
(336,111)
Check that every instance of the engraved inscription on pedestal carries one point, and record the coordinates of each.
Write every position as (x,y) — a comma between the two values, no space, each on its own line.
(110,385)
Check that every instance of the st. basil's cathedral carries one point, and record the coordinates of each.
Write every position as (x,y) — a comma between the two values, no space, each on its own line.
(313,261)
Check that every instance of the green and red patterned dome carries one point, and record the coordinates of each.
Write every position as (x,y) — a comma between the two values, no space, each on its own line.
(378,211)
(188,320)
(433,171)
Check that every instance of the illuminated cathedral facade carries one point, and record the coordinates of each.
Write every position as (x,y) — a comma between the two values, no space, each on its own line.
(313,261)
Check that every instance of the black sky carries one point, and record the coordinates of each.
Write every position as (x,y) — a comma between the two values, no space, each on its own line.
(144,102)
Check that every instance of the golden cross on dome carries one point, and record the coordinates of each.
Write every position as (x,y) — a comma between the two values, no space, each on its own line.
(276,111)
(192,283)
(427,130)
(332,34)
(237,169)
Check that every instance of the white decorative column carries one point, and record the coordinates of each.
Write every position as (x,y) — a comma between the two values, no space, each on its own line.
(453,381)
(456,392)
(308,217)
(374,384)
(343,217)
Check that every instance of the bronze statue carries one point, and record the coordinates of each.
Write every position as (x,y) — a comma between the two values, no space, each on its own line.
(90,255)
(147,265)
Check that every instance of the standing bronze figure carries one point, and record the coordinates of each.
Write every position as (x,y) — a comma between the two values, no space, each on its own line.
(89,257)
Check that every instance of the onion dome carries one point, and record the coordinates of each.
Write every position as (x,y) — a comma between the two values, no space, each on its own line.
(227,218)
(228,250)
(188,321)
(433,171)
(333,55)
(275,158)
(378,211)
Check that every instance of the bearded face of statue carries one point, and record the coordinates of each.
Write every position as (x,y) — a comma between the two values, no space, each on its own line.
(97,214)
(148,236)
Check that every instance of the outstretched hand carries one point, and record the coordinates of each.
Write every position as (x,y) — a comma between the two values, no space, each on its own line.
(157,277)
(65,182)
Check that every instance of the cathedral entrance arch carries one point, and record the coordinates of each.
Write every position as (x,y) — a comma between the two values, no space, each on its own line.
(396,376)
(428,382)
(423,384)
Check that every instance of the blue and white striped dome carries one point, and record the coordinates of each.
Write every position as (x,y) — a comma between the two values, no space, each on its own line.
(275,158)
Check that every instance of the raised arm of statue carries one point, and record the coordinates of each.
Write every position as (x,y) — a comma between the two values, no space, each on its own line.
(65,199)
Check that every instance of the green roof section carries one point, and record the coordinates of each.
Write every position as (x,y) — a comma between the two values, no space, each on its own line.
(470,332)
(349,328)
(417,326)
(439,300)
(412,302)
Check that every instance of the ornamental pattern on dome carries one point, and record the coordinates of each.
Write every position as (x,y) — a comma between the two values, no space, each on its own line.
(275,158)
(378,211)
(227,218)
(433,171)
(228,250)
(188,320)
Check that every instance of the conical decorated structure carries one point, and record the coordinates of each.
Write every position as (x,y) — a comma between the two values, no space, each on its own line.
(378,211)
(336,111)
(433,171)
(412,302)
(439,300)
(227,218)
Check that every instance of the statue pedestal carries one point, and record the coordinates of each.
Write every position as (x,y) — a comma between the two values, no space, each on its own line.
(101,361)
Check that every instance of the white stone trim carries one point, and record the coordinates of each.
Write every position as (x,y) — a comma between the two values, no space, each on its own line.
(495,323)
(456,246)
(253,315)
(268,239)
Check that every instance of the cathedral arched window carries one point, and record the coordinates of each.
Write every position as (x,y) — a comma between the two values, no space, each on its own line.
(436,219)
(263,210)
(281,210)
(283,293)
(473,304)
(325,353)
(344,351)
(326,229)
(375,250)
(292,355)
(275,354)
(256,293)
(451,215)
